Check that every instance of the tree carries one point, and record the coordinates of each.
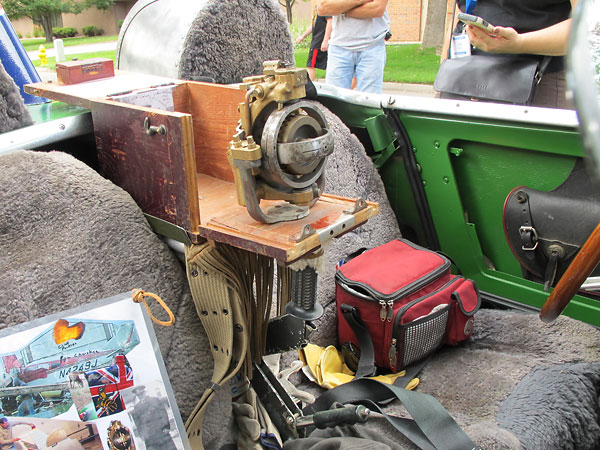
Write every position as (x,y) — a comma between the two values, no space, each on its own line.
(435,24)
(288,4)
(42,11)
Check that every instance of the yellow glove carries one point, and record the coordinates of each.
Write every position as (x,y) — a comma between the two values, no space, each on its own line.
(327,368)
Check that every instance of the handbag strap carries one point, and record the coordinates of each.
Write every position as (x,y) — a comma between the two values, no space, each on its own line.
(542,68)
(366,362)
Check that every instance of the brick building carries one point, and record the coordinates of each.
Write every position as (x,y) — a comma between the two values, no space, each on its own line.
(107,20)
(407,17)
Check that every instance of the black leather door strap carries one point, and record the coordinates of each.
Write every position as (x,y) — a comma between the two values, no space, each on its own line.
(550,273)
(529,237)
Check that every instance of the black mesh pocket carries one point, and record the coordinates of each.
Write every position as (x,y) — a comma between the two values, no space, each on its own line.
(421,337)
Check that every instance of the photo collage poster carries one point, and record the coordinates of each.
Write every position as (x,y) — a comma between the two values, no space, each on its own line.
(89,378)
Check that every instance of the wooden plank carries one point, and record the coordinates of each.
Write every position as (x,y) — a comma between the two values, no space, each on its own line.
(158,171)
(181,98)
(81,94)
(183,177)
(214,109)
(223,220)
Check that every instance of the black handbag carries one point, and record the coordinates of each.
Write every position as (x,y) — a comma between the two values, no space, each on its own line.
(499,78)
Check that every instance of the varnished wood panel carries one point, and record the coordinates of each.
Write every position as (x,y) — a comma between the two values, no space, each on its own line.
(224,220)
(81,94)
(183,177)
(181,98)
(214,109)
(157,170)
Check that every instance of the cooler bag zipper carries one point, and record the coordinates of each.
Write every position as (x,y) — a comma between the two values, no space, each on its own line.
(393,349)
(387,300)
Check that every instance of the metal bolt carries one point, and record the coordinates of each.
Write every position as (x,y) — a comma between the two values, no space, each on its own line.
(62,126)
(521,198)
(436,144)
(446,180)
(194,272)
(237,143)
(238,328)
(424,183)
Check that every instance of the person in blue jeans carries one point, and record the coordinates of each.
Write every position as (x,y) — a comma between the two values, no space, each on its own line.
(357,43)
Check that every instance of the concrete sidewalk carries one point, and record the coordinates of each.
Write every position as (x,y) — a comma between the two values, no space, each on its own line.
(418,90)
(75,49)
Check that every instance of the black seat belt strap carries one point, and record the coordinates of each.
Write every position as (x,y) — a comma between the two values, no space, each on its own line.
(366,363)
(432,426)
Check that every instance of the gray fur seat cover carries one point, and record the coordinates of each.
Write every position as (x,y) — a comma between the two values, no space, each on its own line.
(13,113)
(518,383)
(69,237)
(219,40)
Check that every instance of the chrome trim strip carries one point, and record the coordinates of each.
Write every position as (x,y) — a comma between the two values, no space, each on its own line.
(477,110)
(45,133)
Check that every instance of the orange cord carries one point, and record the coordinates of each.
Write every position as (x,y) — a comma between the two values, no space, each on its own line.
(139,295)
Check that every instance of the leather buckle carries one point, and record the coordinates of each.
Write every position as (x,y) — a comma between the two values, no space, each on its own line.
(534,238)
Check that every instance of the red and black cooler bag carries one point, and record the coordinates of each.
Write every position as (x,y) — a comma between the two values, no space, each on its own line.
(409,301)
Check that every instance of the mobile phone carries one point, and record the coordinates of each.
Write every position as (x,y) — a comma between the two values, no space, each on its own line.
(477,21)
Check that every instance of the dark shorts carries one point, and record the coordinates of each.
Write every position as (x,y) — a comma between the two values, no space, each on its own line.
(317,59)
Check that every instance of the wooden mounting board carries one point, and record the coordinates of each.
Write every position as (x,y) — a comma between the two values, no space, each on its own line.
(224,220)
(163,172)
(81,94)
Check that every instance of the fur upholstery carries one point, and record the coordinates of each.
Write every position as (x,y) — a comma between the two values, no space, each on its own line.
(69,236)
(230,40)
(221,41)
(13,113)
(555,404)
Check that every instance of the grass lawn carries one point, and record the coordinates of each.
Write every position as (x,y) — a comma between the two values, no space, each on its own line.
(52,61)
(405,64)
(34,44)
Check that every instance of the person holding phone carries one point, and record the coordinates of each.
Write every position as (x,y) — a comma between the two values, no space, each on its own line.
(357,43)
(531,27)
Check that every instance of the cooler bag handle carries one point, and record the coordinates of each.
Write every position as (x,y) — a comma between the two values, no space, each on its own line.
(366,363)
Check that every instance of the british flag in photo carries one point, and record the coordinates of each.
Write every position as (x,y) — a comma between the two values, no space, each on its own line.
(106,385)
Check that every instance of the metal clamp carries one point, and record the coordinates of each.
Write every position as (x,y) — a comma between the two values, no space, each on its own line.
(359,205)
(343,224)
